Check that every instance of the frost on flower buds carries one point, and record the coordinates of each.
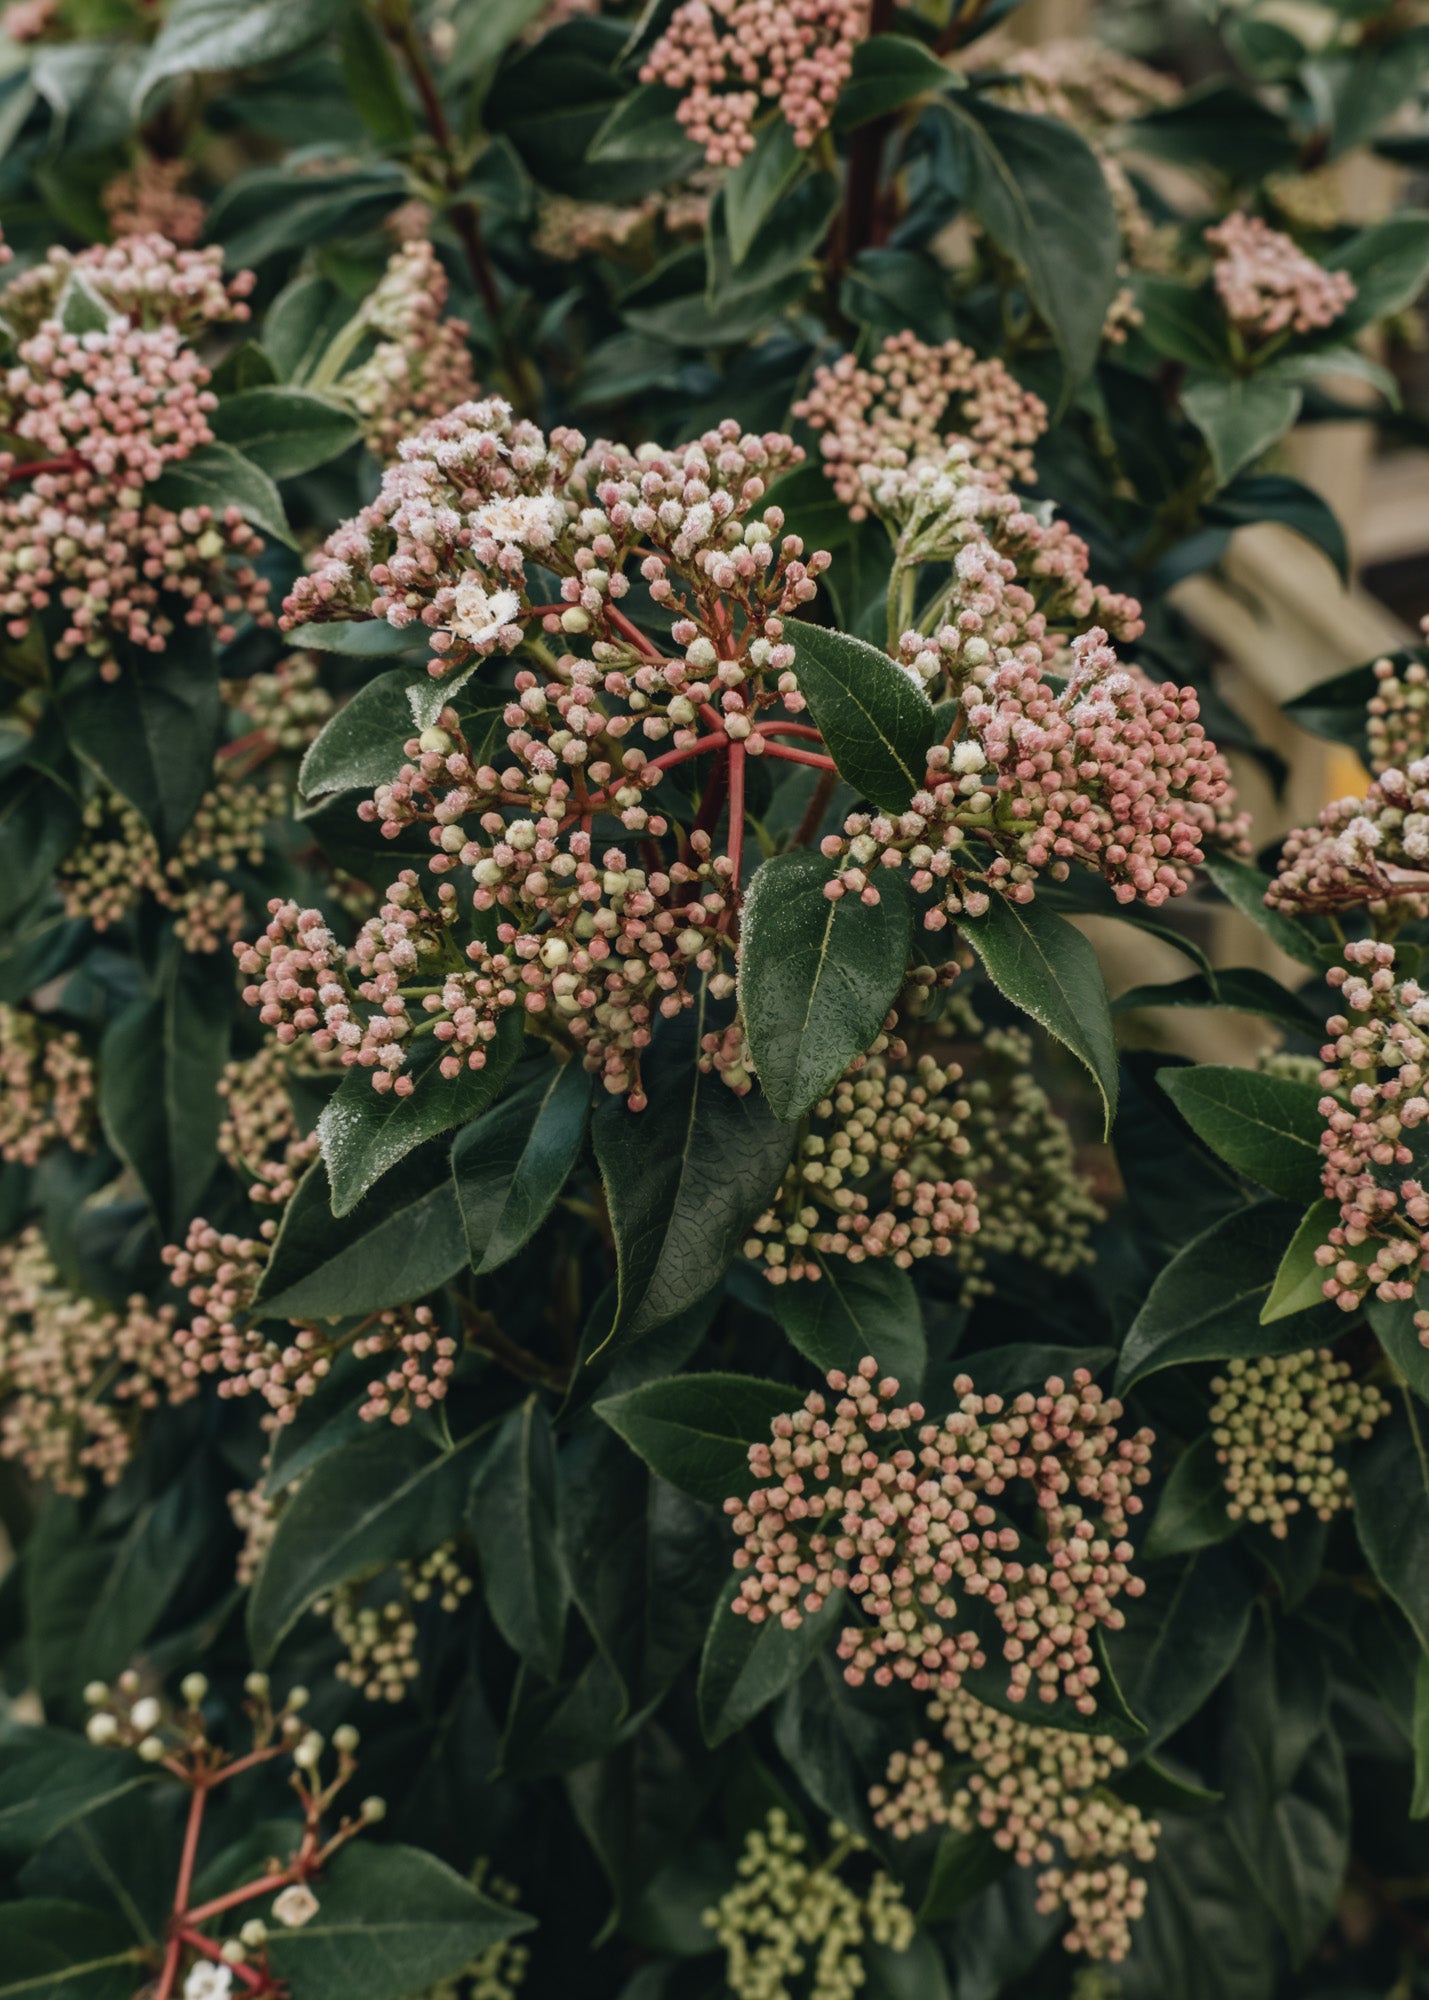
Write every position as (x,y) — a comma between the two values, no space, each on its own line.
(420,366)
(792,1918)
(728,55)
(94,418)
(864,1495)
(1268,285)
(911,403)
(1276,1422)
(1370,853)
(1376,1062)
(1041,1795)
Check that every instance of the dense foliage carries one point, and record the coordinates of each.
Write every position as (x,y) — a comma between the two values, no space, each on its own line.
(617,1375)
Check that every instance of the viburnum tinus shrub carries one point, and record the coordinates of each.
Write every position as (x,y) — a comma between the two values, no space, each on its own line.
(617,1374)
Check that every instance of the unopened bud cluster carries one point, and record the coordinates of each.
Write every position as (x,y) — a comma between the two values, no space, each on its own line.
(911,403)
(379,1639)
(46,1088)
(148,199)
(792,1925)
(77,1378)
(1376,1065)
(420,366)
(1276,1422)
(1266,283)
(1368,853)
(1397,713)
(95,418)
(730,58)
(1041,1794)
(866,1496)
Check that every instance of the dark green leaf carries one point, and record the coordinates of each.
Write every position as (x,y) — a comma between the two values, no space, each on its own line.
(743,1666)
(364,1132)
(513,1517)
(1266,1127)
(853,1310)
(219,477)
(754,186)
(391,1922)
(875,719)
(643,126)
(1182,1637)
(1205,1305)
(371,80)
(511,1164)
(231,34)
(888,70)
(1299,1278)
(816,977)
(1239,989)
(1274,496)
(1245,887)
(1047,968)
(1038,190)
(1390,1480)
(284,431)
(683,1179)
(1191,1512)
(360,639)
(696,1430)
(1185,325)
(964,1865)
(1389,263)
(363,744)
(152,734)
(401,1241)
(387,1496)
(49,1778)
(54,1950)
(1240,418)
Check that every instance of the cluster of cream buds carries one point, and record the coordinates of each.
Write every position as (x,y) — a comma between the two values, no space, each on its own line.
(1376,1064)
(1033,1204)
(791,1922)
(148,199)
(113,864)
(46,1088)
(1397,713)
(96,416)
(421,365)
(1276,1422)
(567,229)
(259,1134)
(443,543)
(913,402)
(1034,1790)
(1266,283)
(873,1499)
(380,1640)
(1370,853)
(76,1378)
(725,55)
(1113,773)
(288,707)
(893,1122)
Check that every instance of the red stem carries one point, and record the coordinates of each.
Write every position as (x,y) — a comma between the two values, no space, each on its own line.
(633,633)
(36,466)
(256,1982)
(737,755)
(789,729)
(800,757)
(265,1885)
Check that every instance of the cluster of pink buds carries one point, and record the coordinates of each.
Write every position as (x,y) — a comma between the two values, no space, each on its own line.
(1113,773)
(259,1135)
(1266,283)
(76,1378)
(1376,1066)
(727,55)
(421,365)
(1397,713)
(911,403)
(148,199)
(868,1497)
(46,1088)
(88,421)
(225,1335)
(29,20)
(1035,1790)
(1370,853)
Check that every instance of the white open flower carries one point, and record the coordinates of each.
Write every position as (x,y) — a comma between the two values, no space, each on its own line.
(297,1905)
(207,1981)
(479,614)
(525,520)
